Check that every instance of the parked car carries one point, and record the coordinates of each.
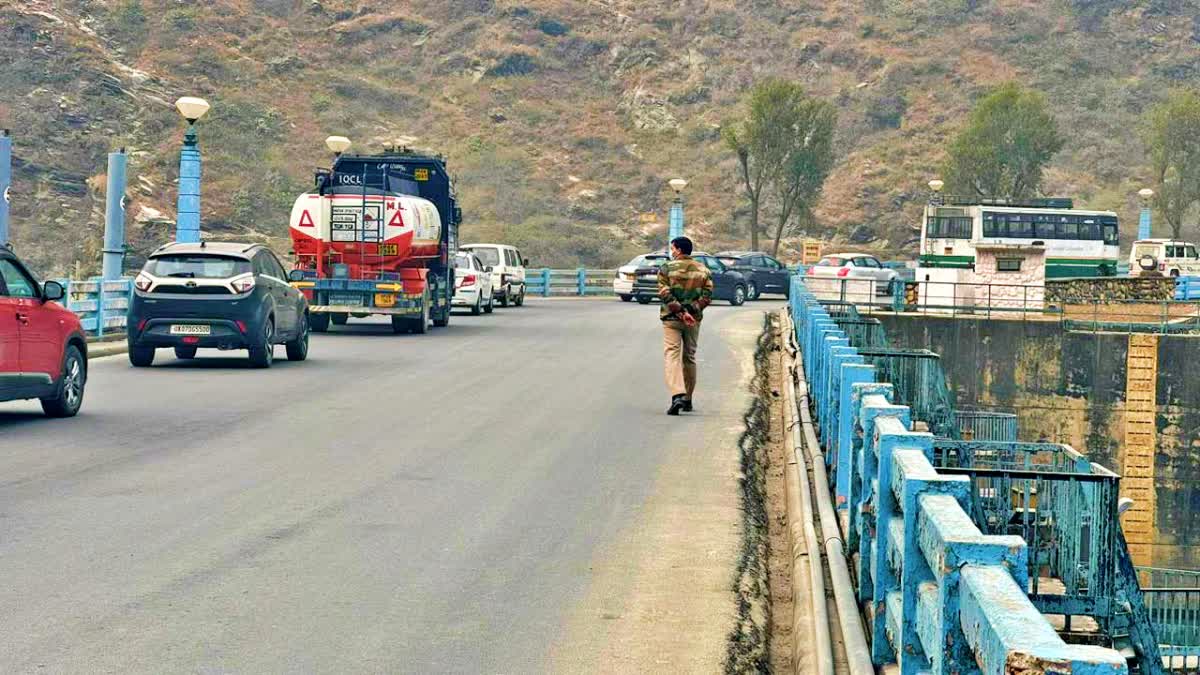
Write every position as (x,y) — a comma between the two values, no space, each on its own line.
(638,278)
(763,273)
(216,295)
(43,350)
(1166,257)
(729,285)
(508,270)
(856,266)
(472,284)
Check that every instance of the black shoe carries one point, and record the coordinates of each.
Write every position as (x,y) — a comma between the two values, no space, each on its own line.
(677,403)
(687,405)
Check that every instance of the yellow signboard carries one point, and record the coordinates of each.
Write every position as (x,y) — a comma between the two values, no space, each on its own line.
(421,174)
(811,253)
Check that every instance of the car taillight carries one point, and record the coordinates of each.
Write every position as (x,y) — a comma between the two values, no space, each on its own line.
(468,280)
(243,284)
(845,271)
(143,282)
(142,325)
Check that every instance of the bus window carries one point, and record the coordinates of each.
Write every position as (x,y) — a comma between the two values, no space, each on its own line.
(1067,227)
(1043,227)
(1089,230)
(1110,234)
(1191,251)
(991,226)
(1020,225)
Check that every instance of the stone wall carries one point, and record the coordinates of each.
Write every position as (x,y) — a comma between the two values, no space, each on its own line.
(1069,387)
(1107,289)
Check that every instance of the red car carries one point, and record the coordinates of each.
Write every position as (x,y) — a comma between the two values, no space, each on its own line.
(43,351)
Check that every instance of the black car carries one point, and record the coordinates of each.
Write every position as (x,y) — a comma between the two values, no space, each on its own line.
(763,273)
(728,284)
(216,295)
(645,276)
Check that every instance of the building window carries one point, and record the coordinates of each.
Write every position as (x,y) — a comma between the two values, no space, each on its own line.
(1008,264)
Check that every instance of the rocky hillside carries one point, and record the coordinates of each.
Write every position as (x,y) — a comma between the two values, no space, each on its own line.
(561,118)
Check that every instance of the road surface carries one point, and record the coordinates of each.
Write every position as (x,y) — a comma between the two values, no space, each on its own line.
(505,495)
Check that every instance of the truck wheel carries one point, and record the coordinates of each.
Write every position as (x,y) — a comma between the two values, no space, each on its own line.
(318,323)
(626,298)
(339,318)
(141,357)
(401,324)
(443,320)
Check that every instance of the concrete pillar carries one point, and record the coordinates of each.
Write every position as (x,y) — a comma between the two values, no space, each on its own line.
(114,217)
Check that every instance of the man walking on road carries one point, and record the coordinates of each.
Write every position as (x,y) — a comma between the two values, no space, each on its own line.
(685,288)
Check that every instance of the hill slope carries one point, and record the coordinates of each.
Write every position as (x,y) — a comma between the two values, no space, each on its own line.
(562,119)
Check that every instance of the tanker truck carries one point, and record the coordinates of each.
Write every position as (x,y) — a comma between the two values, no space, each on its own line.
(377,236)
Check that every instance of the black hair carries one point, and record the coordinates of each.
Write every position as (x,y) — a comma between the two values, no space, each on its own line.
(683,244)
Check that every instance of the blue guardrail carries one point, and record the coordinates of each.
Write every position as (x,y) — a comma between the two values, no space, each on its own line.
(939,595)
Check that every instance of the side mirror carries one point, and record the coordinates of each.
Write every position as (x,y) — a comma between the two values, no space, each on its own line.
(488,268)
(525,262)
(53,291)
(296,275)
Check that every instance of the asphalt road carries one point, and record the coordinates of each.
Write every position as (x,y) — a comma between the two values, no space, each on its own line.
(395,504)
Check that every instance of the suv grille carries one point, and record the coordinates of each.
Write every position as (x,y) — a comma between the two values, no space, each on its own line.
(192,290)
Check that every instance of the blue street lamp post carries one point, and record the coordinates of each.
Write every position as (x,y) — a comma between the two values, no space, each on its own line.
(187,218)
(5,183)
(1144,220)
(675,218)
(114,217)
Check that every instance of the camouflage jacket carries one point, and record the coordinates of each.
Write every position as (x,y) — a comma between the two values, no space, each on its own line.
(684,283)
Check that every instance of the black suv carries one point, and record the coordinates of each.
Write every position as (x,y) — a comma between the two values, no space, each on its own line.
(227,296)
(763,273)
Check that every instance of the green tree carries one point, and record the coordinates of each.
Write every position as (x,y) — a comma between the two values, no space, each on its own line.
(762,140)
(807,163)
(1172,137)
(1008,140)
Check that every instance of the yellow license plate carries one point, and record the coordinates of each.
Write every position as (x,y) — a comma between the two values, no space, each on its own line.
(389,249)
(385,299)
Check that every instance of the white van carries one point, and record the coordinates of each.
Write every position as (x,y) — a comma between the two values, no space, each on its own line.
(508,271)
(1163,256)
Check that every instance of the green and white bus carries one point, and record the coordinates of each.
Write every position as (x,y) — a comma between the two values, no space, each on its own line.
(1078,243)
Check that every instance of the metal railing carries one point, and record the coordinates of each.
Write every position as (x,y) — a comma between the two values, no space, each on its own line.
(579,282)
(986,425)
(939,593)
(101,305)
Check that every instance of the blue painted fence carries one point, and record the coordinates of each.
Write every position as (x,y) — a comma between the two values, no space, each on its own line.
(578,282)
(101,305)
(1187,288)
(939,595)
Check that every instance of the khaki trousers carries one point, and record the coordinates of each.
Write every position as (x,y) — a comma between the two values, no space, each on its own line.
(679,356)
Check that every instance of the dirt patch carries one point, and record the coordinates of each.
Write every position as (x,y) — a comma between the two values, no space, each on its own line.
(749,642)
(762,640)
(779,542)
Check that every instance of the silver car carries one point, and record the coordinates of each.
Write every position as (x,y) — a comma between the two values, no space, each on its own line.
(856,266)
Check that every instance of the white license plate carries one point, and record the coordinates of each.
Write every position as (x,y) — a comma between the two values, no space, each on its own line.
(190,329)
